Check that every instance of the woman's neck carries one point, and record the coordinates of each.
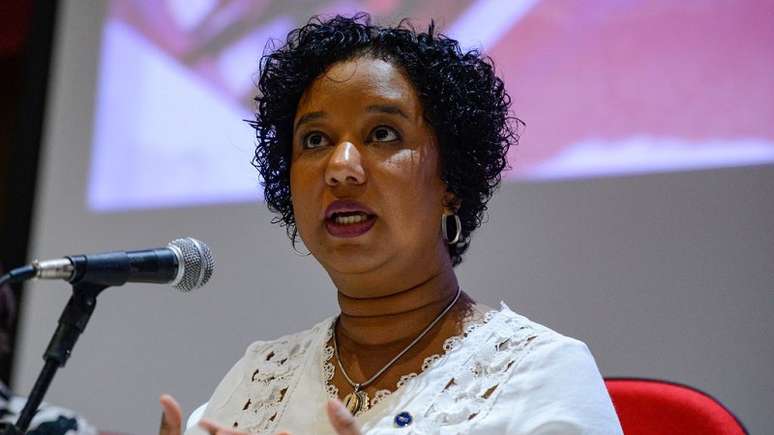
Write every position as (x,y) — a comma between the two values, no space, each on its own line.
(382,323)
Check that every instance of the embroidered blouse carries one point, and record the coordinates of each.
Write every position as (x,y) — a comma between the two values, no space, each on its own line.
(505,374)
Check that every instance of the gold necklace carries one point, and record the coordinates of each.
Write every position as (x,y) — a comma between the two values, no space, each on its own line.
(357,400)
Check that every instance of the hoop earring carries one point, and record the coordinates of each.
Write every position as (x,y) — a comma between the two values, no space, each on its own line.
(456,227)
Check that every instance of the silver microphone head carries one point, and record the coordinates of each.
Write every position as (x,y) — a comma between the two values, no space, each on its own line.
(195,263)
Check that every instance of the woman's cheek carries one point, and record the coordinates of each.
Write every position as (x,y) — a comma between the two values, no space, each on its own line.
(404,160)
(302,197)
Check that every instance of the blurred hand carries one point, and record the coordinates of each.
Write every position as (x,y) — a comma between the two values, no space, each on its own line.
(172,417)
(342,421)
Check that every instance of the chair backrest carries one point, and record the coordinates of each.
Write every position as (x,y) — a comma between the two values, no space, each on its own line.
(650,406)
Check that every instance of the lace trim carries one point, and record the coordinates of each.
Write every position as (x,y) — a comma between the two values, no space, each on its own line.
(473,386)
(271,381)
(379,396)
(269,386)
(405,378)
(449,345)
(328,369)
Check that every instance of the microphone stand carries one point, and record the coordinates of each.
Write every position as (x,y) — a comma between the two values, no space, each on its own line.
(72,323)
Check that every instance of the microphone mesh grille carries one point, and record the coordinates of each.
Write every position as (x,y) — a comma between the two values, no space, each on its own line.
(198,263)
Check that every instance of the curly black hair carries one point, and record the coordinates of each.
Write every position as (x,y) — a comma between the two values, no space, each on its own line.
(463,100)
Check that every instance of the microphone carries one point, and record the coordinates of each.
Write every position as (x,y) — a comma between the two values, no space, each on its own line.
(186,264)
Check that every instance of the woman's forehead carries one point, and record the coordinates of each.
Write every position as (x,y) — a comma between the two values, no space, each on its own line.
(362,81)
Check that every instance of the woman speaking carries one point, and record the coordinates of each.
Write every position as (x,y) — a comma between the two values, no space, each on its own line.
(380,147)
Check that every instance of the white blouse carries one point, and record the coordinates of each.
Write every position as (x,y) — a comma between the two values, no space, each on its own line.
(505,374)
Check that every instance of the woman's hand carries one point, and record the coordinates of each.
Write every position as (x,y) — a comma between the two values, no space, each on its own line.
(172,418)
(342,421)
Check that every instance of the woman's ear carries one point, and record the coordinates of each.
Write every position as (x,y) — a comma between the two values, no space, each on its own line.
(451,202)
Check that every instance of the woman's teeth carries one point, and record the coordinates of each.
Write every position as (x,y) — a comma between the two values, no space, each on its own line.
(351,219)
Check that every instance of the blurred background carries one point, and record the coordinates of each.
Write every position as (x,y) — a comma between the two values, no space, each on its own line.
(638,215)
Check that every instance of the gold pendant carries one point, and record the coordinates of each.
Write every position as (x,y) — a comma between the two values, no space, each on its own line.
(356,401)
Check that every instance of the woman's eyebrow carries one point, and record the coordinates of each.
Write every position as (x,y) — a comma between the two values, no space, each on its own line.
(309,117)
(387,108)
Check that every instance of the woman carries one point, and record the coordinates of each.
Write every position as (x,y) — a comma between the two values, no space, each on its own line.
(380,147)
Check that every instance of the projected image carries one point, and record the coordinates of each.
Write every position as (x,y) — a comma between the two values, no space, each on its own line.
(605,87)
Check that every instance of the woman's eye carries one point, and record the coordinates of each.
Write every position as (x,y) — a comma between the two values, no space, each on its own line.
(314,140)
(384,134)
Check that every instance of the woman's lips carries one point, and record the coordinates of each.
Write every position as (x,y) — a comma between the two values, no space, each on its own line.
(346,206)
(348,218)
(350,229)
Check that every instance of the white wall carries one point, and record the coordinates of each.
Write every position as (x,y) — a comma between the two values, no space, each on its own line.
(668,276)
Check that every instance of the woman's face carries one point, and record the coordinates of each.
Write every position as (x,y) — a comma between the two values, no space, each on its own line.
(365,174)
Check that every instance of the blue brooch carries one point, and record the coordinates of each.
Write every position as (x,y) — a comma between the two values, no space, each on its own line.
(403,419)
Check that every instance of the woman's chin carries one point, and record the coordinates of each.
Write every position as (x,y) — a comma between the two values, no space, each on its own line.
(352,259)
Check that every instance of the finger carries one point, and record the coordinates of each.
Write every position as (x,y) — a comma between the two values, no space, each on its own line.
(215,429)
(171,417)
(342,421)
(211,427)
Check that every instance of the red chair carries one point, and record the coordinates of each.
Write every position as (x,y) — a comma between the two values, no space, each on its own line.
(650,407)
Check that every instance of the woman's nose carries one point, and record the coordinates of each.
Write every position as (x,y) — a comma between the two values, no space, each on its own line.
(345,166)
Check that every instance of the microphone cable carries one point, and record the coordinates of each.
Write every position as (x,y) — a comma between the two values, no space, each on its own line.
(18,275)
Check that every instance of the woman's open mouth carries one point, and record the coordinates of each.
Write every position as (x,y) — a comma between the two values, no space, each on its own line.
(349,224)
